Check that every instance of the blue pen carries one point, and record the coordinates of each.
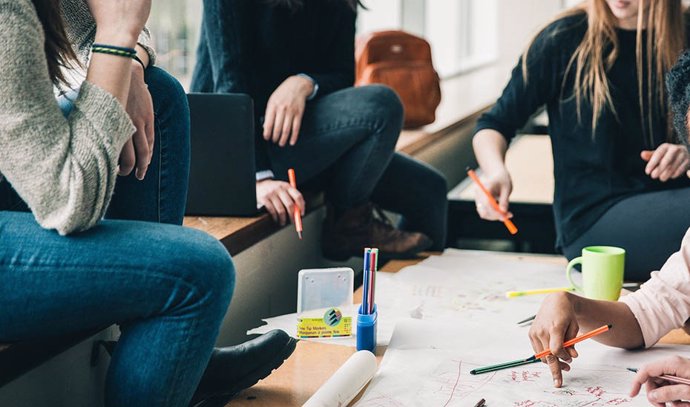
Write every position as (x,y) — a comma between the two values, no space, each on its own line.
(365,282)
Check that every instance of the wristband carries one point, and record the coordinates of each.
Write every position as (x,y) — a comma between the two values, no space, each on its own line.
(114,50)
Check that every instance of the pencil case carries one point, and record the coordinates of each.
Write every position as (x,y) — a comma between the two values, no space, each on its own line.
(366,330)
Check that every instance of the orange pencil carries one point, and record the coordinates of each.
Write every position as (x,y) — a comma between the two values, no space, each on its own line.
(538,356)
(297,214)
(575,340)
(509,224)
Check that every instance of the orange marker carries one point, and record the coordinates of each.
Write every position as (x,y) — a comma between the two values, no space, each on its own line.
(578,339)
(509,224)
(297,214)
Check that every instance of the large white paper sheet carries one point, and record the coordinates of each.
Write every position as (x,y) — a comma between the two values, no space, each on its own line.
(428,364)
(460,284)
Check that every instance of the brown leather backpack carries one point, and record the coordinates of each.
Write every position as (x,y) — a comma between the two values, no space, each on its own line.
(403,62)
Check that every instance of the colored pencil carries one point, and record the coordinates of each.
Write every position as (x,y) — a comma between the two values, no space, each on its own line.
(480,403)
(505,365)
(513,294)
(535,358)
(668,378)
(365,282)
(578,339)
(507,222)
(530,319)
(374,269)
(296,211)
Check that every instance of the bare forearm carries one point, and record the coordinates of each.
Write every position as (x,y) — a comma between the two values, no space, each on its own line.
(490,149)
(109,72)
(592,314)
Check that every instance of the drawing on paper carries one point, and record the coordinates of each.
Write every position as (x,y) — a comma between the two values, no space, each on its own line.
(445,382)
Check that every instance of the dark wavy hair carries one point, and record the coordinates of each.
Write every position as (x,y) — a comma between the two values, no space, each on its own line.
(296,4)
(58,50)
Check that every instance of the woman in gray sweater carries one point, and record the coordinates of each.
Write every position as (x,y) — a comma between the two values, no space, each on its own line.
(168,287)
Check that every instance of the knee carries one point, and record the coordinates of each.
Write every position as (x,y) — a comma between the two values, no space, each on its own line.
(205,266)
(167,92)
(384,101)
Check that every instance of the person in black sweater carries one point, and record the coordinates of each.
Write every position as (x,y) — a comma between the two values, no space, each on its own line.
(296,59)
(620,177)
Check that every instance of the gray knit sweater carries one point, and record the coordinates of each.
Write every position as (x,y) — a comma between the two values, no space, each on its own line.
(64,168)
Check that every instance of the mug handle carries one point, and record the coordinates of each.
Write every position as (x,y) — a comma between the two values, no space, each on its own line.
(573,263)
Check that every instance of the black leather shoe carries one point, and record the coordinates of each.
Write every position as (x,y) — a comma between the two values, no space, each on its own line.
(236,368)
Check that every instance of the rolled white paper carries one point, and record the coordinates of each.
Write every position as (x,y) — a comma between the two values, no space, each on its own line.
(346,382)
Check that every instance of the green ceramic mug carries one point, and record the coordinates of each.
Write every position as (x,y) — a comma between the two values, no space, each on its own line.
(602,272)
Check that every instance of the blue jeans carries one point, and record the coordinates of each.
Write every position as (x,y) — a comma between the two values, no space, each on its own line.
(168,287)
(162,195)
(347,146)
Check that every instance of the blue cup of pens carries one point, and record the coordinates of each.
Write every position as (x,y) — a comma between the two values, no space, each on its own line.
(367,314)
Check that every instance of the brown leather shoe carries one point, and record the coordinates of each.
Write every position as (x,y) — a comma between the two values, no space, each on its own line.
(368,226)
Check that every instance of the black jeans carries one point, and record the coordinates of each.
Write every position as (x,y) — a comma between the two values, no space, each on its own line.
(347,144)
(648,226)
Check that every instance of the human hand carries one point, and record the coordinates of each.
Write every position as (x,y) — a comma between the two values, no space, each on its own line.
(285,109)
(668,161)
(660,391)
(119,22)
(138,151)
(500,185)
(555,323)
(280,199)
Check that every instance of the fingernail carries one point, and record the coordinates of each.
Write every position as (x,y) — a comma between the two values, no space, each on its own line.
(557,383)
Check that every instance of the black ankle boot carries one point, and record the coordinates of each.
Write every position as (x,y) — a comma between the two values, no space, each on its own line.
(236,368)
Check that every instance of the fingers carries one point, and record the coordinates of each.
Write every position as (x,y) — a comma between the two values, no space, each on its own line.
(142,151)
(280,200)
(296,125)
(503,199)
(667,162)
(298,199)
(278,125)
(287,129)
(269,119)
(655,159)
(127,159)
(288,203)
(670,393)
(281,214)
(667,165)
(539,338)
(151,132)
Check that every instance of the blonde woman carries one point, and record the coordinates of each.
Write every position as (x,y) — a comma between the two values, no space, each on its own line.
(620,179)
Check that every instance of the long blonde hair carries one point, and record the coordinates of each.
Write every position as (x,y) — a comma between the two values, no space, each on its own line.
(598,51)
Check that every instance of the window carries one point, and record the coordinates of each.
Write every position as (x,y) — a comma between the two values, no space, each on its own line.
(174,26)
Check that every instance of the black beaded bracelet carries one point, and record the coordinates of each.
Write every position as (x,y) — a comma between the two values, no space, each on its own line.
(136,58)
(114,50)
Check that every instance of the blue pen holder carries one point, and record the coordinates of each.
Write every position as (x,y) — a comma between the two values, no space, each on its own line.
(366,330)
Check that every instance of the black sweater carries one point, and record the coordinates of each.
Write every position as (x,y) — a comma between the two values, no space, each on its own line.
(249,46)
(592,170)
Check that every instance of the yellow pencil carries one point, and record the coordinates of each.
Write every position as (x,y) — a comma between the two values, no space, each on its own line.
(513,294)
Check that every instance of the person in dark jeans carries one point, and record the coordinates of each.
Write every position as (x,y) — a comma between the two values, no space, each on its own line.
(296,59)
(63,269)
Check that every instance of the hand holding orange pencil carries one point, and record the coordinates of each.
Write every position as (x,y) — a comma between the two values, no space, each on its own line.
(492,201)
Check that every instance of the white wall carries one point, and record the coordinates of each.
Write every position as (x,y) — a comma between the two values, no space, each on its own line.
(518,22)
